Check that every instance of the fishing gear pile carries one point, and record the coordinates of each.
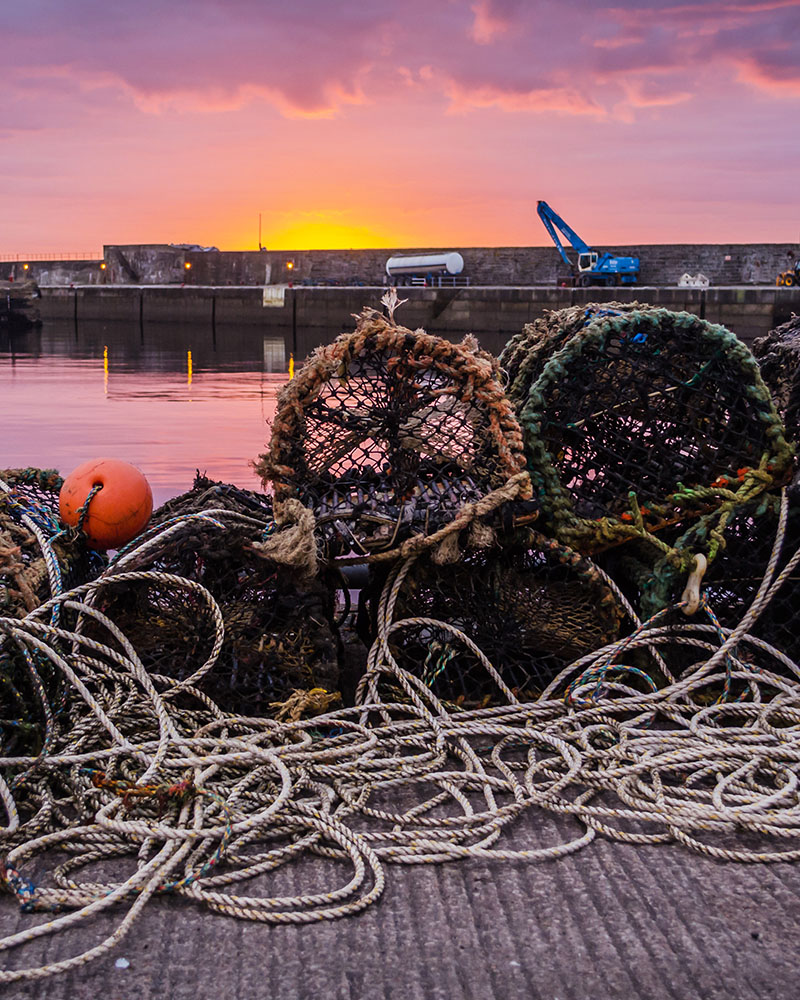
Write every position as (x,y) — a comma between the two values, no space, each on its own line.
(508,670)
(279,653)
(637,421)
(28,511)
(400,443)
(38,556)
(528,610)
(388,434)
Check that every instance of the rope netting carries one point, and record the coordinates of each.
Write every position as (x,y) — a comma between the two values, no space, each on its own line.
(525,355)
(275,611)
(528,610)
(778,356)
(647,419)
(185,750)
(388,434)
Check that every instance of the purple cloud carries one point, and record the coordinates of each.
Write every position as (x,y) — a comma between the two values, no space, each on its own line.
(313,58)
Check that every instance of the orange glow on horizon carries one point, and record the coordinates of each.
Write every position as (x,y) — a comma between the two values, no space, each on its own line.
(324,235)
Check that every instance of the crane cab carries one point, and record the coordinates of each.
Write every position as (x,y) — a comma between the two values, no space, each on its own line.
(587,261)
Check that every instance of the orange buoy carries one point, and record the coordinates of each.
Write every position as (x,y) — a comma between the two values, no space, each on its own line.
(117,511)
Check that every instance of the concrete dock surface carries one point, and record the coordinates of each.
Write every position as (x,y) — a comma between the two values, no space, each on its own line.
(612,922)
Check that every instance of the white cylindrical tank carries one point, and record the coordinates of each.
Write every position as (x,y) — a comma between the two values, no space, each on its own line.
(432,263)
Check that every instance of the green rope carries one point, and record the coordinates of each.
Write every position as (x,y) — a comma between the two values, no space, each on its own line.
(589,535)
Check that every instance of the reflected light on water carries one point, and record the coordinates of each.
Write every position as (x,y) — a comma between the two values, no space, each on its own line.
(54,414)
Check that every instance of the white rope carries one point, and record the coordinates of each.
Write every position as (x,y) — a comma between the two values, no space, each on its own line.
(190,800)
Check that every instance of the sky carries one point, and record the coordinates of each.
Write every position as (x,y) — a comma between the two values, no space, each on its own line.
(397,123)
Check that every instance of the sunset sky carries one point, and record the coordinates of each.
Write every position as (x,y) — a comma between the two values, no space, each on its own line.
(388,123)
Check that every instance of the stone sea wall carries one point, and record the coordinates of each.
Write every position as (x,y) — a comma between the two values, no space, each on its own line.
(161,264)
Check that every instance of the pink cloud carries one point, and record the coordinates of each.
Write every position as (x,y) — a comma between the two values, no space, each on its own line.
(655,93)
(465,97)
(489,23)
(781,81)
(756,42)
(318,59)
(309,59)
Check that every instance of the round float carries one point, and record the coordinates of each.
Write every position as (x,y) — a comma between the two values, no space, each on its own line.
(117,511)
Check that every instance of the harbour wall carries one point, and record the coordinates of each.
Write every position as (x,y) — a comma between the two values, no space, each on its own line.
(163,264)
(311,315)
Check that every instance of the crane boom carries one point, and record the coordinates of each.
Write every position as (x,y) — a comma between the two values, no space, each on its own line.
(553,220)
(592,268)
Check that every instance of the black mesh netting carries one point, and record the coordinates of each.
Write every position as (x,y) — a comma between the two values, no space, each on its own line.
(644,419)
(387,433)
(28,683)
(279,632)
(526,354)
(778,355)
(530,609)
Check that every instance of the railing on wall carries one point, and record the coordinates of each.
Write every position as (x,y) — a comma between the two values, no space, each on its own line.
(431,281)
(51,255)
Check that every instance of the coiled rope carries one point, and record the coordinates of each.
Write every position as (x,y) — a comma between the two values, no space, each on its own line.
(145,776)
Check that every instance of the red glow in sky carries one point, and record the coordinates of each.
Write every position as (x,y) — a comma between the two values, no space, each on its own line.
(373,123)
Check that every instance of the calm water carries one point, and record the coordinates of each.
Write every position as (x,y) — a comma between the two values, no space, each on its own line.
(169,399)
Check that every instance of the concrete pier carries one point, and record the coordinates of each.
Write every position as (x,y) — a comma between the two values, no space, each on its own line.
(316,315)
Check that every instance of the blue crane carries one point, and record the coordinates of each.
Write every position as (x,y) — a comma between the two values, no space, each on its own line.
(593,268)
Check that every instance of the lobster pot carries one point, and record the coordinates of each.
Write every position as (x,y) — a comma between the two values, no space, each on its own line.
(531,610)
(279,632)
(25,583)
(778,354)
(646,419)
(387,433)
(525,355)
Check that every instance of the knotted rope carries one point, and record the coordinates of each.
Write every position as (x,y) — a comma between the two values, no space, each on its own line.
(196,802)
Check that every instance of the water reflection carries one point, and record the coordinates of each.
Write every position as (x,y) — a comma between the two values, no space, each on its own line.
(170,399)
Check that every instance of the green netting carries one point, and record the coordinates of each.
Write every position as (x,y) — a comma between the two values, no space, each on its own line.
(731,582)
(526,354)
(642,420)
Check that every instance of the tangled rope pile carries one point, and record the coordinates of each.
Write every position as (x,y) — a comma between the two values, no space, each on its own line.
(137,776)
(261,571)
(149,788)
